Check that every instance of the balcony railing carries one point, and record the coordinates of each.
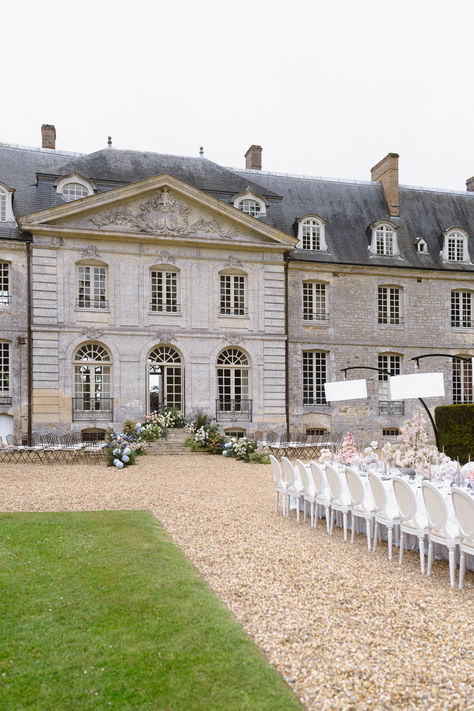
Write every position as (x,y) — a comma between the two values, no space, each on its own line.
(156,307)
(234,409)
(315,316)
(391,407)
(92,409)
(5,400)
(233,311)
(96,304)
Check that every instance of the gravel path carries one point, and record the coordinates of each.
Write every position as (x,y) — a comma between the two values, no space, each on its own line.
(345,628)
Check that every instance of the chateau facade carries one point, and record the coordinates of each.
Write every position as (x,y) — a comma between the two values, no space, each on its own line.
(130,280)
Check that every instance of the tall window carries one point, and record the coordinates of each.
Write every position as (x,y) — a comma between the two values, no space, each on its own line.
(6,208)
(233,382)
(3,205)
(391,363)
(165,379)
(4,284)
(455,247)
(91,287)
(92,383)
(4,370)
(461,309)
(462,381)
(384,240)
(389,304)
(311,233)
(314,377)
(164,291)
(314,301)
(232,294)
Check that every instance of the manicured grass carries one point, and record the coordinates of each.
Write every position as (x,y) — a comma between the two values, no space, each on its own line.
(100,610)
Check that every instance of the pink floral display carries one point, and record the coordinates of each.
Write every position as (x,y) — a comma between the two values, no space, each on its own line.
(348,453)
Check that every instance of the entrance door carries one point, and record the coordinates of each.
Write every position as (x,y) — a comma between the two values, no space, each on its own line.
(165,379)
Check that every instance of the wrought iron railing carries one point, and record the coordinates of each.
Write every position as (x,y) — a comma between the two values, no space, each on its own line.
(92,409)
(234,409)
(391,407)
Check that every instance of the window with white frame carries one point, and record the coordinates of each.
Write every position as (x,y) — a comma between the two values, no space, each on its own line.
(74,191)
(165,379)
(455,249)
(314,377)
(91,287)
(462,381)
(311,233)
(4,284)
(232,296)
(462,309)
(392,364)
(92,380)
(6,208)
(4,370)
(233,374)
(250,207)
(389,305)
(73,187)
(250,202)
(314,301)
(164,290)
(384,243)
(421,246)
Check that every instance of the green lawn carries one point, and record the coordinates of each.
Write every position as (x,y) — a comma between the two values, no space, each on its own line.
(100,610)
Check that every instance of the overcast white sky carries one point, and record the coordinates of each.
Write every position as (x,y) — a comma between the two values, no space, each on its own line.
(327,88)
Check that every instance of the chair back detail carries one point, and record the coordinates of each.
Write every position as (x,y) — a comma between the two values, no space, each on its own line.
(356,488)
(378,492)
(319,478)
(307,481)
(406,499)
(334,481)
(276,470)
(464,507)
(288,472)
(435,507)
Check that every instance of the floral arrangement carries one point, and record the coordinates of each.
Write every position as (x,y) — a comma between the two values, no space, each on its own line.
(348,453)
(208,438)
(325,455)
(370,455)
(121,452)
(246,450)
(414,452)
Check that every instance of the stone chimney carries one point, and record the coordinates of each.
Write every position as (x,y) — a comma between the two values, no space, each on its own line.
(253,158)
(470,184)
(48,136)
(386,172)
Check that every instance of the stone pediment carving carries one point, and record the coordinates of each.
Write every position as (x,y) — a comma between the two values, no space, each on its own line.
(165,336)
(164,213)
(90,252)
(233,262)
(234,339)
(91,332)
(165,257)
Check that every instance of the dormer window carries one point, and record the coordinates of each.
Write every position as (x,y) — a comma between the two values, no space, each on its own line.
(421,246)
(251,203)
(384,240)
(455,246)
(6,210)
(74,187)
(311,233)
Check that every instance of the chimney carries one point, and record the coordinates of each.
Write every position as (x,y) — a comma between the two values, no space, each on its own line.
(470,184)
(48,136)
(386,172)
(253,158)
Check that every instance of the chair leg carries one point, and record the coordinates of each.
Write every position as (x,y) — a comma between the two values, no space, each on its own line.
(313,519)
(390,536)
(462,568)
(421,546)
(452,566)
(354,519)
(430,557)
(304,510)
(297,508)
(276,502)
(327,518)
(368,526)
(375,535)
(402,541)
(333,515)
(344,523)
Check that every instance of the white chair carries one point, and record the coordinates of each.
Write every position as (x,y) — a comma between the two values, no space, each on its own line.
(412,521)
(294,487)
(464,507)
(362,503)
(340,498)
(280,485)
(440,530)
(323,495)
(309,490)
(386,513)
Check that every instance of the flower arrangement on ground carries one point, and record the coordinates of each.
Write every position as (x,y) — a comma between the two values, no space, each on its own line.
(246,450)
(208,438)
(348,453)
(121,452)
(414,451)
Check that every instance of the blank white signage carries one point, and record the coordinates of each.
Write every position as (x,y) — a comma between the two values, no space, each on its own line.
(346,390)
(406,387)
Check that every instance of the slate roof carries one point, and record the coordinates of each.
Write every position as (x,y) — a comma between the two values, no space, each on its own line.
(348,207)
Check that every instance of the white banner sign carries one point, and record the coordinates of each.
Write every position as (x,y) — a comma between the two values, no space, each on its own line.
(406,387)
(346,390)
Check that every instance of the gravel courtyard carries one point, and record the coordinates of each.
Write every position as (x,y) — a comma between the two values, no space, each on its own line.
(345,628)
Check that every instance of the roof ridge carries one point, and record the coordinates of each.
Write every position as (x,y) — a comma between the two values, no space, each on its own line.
(37,149)
(304,177)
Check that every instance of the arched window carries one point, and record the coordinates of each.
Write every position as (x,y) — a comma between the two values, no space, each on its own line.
(92,383)
(74,186)
(455,246)
(6,209)
(311,233)
(250,202)
(384,240)
(3,205)
(74,191)
(462,380)
(250,207)
(165,379)
(233,384)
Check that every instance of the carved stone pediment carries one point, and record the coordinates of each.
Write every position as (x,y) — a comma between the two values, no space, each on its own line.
(165,336)
(234,339)
(233,263)
(165,257)
(90,252)
(93,333)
